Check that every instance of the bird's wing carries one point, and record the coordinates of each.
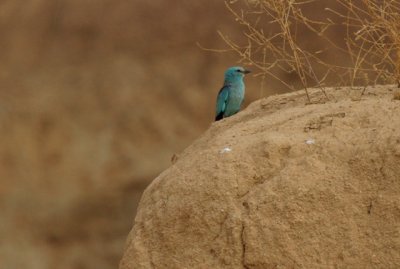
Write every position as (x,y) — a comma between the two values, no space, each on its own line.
(221,102)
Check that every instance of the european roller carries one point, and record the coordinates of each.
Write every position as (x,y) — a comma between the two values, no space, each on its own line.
(231,95)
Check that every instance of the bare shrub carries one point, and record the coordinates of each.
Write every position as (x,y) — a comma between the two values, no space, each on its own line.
(341,42)
(373,39)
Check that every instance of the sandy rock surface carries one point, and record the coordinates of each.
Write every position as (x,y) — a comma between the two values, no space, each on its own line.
(283,184)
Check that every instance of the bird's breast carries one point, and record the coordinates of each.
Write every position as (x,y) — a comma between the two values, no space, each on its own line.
(237,93)
(236,96)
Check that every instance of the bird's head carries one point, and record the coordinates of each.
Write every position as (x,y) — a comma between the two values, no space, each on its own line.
(235,72)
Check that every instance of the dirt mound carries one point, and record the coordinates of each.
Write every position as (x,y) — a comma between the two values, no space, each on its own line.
(281,185)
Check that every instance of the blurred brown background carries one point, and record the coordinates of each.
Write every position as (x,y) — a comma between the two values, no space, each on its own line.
(96,96)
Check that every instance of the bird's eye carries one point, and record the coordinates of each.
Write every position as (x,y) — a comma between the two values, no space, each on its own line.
(238,70)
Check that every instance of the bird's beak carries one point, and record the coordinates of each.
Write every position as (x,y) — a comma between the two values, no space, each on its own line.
(246,71)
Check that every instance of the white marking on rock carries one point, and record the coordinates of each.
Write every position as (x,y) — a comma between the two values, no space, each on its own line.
(310,141)
(225,150)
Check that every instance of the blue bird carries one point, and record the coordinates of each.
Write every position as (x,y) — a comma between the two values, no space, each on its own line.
(231,95)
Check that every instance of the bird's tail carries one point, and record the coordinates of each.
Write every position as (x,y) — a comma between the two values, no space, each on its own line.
(219,116)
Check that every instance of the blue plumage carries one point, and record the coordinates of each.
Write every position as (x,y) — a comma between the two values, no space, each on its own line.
(231,95)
